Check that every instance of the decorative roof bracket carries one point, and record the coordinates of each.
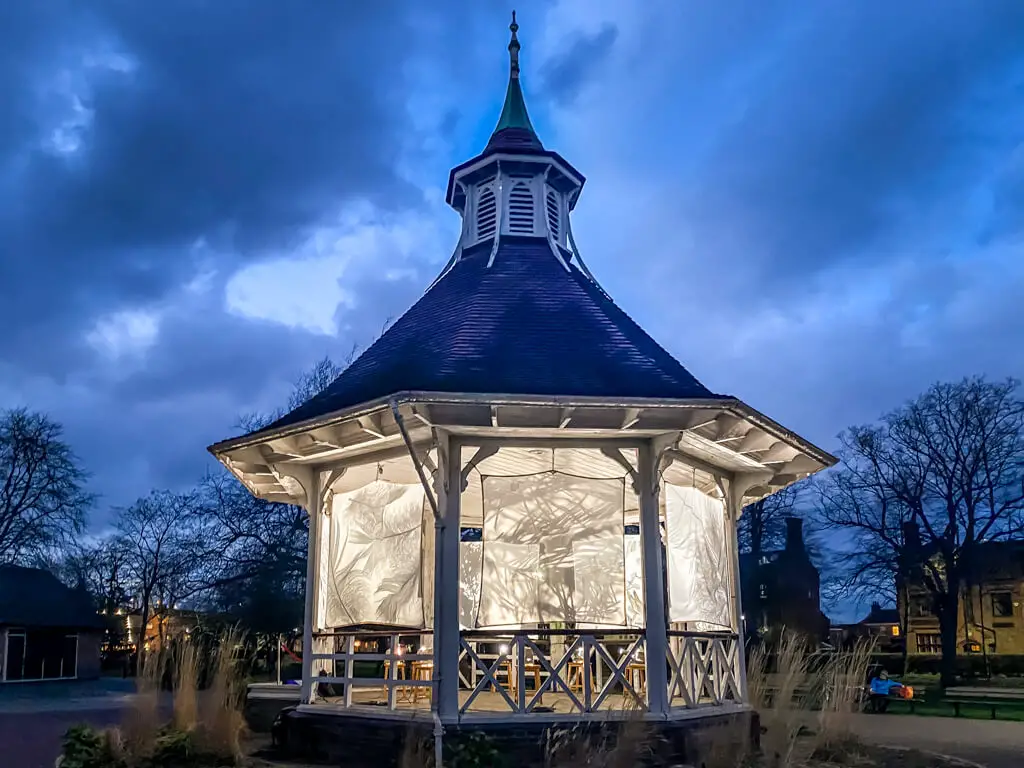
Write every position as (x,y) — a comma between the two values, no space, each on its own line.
(501,216)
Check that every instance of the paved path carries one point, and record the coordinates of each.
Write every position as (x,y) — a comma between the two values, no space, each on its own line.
(33,740)
(992,743)
(34,718)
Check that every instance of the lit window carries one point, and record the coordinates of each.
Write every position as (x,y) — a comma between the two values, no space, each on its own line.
(895,630)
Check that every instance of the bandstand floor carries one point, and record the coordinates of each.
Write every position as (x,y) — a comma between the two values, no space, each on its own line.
(486,702)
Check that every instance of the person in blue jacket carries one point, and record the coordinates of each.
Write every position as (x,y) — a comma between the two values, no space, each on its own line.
(881,689)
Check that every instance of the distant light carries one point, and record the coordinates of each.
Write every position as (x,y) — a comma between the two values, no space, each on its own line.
(503,649)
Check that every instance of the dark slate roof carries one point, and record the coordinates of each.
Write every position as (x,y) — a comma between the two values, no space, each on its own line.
(513,140)
(32,597)
(880,615)
(524,326)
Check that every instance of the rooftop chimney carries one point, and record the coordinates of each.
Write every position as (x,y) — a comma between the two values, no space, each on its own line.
(794,534)
(911,535)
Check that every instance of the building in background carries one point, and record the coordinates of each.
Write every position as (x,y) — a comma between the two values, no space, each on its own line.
(782,589)
(881,625)
(47,631)
(991,618)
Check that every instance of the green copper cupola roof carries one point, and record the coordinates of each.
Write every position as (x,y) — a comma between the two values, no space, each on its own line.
(514,129)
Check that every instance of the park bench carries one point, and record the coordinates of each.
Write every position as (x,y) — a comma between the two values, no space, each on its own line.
(983,697)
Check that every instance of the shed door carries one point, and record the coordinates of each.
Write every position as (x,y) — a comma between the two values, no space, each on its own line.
(14,664)
(69,660)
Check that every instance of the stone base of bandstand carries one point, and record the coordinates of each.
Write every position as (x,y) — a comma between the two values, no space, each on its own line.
(366,741)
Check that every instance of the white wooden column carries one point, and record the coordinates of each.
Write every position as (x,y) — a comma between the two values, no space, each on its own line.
(314,502)
(734,491)
(446,578)
(656,619)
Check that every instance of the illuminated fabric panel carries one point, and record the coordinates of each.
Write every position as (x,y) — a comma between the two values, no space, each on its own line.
(471,555)
(552,551)
(510,587)
(372,571)
(634,582)
(697,553)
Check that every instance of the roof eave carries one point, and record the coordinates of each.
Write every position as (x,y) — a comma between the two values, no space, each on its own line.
(412,396)
(491,155)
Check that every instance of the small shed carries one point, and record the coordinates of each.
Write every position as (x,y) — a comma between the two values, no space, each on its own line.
(48,631)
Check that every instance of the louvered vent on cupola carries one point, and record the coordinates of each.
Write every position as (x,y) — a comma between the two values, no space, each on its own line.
(520,209)
(554,214)
(486,213)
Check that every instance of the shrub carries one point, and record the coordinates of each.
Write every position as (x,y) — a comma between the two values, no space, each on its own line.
(86,747)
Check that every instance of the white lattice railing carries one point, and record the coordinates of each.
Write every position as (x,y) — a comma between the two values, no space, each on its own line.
(525,672)
(704,669)
(398,668)
(588,671)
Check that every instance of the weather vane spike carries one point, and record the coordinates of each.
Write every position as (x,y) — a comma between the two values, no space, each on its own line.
(513,46)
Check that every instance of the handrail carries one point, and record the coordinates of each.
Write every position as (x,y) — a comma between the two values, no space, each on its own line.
(474,634)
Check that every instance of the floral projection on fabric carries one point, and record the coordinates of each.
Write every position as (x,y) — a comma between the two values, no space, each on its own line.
(372,570)
(634,582)
(471,554)
(698,559)
(552,551)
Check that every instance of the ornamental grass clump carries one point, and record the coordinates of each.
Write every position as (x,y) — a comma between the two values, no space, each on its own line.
(195,729)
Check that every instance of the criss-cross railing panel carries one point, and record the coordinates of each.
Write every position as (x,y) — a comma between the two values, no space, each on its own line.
(704,669)
(579,671)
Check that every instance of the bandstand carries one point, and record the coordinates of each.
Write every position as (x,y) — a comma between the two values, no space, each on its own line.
(521,508)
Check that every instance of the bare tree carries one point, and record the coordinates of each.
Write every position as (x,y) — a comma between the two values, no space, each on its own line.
(950,464)
(762,527)
(310,384)
(99,566)
(162,544)
(260,571)
(43,502)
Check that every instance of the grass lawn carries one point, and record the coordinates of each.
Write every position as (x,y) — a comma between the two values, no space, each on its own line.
(932,681)
(928,699)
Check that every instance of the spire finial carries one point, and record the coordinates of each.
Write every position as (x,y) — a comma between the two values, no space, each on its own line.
(513,47)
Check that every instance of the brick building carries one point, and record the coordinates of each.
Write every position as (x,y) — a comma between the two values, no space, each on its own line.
(781,589)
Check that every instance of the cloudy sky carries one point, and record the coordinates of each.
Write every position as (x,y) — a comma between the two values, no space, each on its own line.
(817,207)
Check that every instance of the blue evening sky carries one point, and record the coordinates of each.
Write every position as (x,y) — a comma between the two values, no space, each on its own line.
(816,206)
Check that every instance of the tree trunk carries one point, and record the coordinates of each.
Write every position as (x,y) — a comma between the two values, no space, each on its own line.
(948,615)
(140,652)
(904,626)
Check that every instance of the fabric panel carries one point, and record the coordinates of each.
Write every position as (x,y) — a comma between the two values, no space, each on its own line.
(697,553)
(552,551)
(372,572)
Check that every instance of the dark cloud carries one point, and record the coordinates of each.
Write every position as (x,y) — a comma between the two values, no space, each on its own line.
(239,123)
(867,116)
(784,139)
(567,73)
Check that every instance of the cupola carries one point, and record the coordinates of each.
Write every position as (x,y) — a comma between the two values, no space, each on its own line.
(516,188)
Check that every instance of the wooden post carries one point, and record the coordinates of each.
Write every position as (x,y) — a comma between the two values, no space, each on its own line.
(656,622)
(446,578)
(313,504)
(735,489)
